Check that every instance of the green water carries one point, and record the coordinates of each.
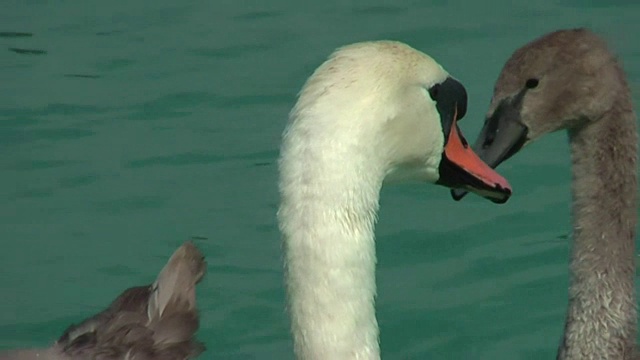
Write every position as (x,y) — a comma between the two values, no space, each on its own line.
(127,127)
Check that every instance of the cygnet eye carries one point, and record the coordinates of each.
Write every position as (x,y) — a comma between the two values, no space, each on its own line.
(531,83)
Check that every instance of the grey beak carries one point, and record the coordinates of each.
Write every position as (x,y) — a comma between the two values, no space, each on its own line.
(502,135)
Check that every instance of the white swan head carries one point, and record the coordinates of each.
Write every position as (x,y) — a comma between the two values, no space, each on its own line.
(384,109)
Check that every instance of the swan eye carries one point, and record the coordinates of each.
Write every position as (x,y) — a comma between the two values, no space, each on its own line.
(433,91)
(531,83)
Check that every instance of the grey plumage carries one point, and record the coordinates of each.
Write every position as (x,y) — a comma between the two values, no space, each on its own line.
(570,80)
(156,321)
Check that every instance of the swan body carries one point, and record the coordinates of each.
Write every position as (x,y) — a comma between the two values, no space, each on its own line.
(156,321)
(373,112)
(569,80)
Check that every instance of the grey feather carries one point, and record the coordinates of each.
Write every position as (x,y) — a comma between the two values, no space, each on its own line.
(156,321)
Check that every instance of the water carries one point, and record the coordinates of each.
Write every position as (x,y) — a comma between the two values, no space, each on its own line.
(126,128)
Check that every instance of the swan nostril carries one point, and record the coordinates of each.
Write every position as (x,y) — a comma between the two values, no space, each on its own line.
(465,144)
(488,141)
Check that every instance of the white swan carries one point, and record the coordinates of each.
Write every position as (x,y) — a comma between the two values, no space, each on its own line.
(372,111)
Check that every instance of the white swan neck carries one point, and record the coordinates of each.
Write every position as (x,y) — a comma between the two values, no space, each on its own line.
(327,217)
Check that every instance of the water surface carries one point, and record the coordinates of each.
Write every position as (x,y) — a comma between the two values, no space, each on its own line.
(126,128)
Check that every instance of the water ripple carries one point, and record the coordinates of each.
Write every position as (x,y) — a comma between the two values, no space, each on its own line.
(28,165)
(131,203)
(23,51)
(14,34)
(190,158)
(380,10)
(229,51)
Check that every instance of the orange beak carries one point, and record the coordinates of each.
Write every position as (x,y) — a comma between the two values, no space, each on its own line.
(460,165)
